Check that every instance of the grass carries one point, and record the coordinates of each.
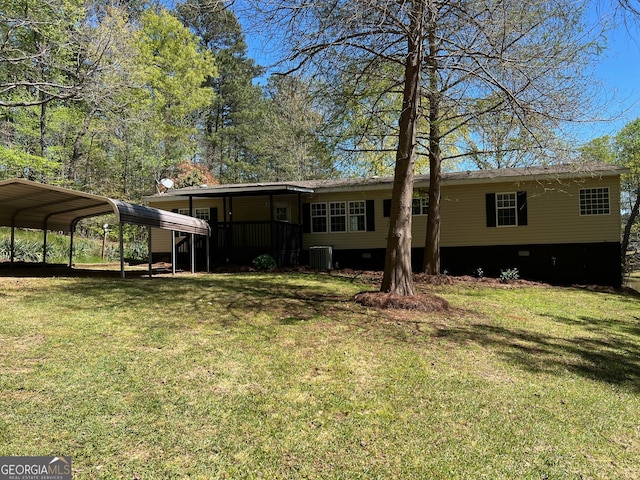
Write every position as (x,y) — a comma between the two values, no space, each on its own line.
(282,376)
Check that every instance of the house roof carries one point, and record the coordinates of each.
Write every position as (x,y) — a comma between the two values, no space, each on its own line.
(550,172)
(30,204)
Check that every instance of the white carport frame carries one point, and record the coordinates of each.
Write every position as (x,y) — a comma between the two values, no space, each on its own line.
(27,204)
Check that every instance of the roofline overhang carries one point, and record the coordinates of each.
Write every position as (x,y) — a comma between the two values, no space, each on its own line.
(230,191)
(473,177)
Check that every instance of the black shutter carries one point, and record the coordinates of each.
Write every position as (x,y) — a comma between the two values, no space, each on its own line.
(386,207)
(371,217)
(522,208)
(306,218)
(213,215)
(490,199)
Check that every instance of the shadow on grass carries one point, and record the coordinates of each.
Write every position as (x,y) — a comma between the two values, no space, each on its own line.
(603,349)
(608,358)
(233,297)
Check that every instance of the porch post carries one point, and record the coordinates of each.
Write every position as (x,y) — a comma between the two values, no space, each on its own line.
(208,247)
(231,244)
(173,252)
(274,247)
(300,229)
(193,253)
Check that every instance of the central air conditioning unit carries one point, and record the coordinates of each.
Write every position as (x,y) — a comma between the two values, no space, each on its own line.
(320,257)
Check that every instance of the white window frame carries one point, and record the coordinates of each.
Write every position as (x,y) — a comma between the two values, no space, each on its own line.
(203,213)
(323,214)
(500,199)
(421,204)
(589,206)
(287,211)
(358,217)
(338,210)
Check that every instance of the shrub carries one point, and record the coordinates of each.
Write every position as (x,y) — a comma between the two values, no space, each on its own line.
(264,262)
(509,274)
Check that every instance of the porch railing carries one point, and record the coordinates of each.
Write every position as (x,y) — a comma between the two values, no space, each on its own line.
(241,242)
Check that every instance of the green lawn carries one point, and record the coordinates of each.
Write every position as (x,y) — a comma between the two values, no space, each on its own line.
(282,376)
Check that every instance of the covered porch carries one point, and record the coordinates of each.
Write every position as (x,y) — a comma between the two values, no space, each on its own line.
(247,221)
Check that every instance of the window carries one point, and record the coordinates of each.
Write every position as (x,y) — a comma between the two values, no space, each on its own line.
(594,201)
(318,217)
(506,209)
(281,213)
(357,217)
(353,216)
(201,213)
(420,206)
(338,216)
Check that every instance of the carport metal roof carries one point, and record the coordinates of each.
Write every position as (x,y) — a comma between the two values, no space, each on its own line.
(27,204)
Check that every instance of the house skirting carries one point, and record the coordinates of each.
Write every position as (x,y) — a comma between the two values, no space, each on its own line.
(562,264)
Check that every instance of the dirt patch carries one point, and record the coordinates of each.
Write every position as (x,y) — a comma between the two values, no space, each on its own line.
(422,302)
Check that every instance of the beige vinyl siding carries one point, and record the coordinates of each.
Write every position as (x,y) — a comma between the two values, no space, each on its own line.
(161,239)
(350,240)
(256,209)
(552,210)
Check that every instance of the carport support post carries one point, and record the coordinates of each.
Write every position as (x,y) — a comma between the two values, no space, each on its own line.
(150,255)
(121,250)
(73,227)
(44,246)
(13,243)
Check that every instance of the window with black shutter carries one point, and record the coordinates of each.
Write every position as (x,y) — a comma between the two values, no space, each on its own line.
(508,209)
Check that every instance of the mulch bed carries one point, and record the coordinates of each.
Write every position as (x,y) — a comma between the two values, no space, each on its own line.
(422,302)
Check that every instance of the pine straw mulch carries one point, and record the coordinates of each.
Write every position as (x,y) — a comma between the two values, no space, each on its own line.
(423,302)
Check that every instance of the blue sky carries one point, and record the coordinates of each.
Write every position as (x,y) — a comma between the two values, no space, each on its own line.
(618,72)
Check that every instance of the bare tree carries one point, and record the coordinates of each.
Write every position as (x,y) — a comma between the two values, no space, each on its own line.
(457,64)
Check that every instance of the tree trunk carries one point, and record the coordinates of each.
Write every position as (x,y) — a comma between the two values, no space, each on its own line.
(43,127)
(76,155)
(431,262)
(627,229)
(397,278)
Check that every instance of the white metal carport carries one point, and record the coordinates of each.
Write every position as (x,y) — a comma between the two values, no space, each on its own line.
(27,204)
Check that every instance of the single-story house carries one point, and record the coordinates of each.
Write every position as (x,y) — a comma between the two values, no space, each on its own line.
(559,223)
